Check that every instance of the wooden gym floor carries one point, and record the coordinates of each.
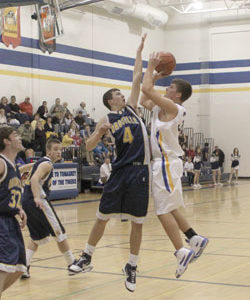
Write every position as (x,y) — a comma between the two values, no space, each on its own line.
(222,272)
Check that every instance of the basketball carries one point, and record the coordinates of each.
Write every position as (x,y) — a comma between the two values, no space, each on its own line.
(167,63)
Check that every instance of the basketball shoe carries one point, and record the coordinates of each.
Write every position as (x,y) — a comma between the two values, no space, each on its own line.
(81,265)
(130,273)
(184,256)
(198,243)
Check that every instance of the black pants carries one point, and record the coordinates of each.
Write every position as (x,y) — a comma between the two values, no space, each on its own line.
(190,178)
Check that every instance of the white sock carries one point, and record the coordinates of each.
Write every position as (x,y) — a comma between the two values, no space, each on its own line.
(89,249)
(29,254)
(69,257)
(133,260)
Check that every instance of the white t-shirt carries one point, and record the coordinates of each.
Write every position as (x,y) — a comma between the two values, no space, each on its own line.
(188,166)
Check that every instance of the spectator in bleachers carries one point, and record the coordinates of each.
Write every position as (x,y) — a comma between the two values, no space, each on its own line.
(36,119)
(197,167)
(68,118)
(74,127)
(3,119)
(215,166)
(221,156)
(5,106)
(77,139)
(80,120)
(14,107)
(57,107)
(14,119)
(29,153)
(65,108)
(105,171)
(27,134)
(26,107)
(182,138)
(43,110)
(235,158)
(86,132)
(67,140)
(189,170)
(205,152)
(49,128)
(191,151)
(83,110)
(100,151)
(40,138)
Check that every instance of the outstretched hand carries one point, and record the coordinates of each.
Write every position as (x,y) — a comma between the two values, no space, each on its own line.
(141,46)
(154,59)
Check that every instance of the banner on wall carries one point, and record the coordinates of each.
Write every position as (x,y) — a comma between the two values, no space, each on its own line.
(11,28)
(64,179)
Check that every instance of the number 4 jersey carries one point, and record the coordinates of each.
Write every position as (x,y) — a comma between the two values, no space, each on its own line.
(130,137)
(10,189)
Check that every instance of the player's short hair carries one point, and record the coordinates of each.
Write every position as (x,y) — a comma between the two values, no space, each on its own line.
(5,132)
(183,87)
(50,142)
(108,96)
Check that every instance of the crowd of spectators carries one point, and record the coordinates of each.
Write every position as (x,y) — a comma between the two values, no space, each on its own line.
(35,127)
(200,160)
(74,128)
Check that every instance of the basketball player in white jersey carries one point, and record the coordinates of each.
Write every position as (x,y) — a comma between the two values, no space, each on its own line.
(167,167)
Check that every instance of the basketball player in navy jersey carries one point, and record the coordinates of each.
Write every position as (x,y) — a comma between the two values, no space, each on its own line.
(42,219)
(126,192)
(12,254)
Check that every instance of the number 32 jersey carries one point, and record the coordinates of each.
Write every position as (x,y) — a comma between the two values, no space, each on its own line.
(10,189)
(130,137)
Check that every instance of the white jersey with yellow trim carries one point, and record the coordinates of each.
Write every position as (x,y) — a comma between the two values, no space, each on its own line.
(165,135)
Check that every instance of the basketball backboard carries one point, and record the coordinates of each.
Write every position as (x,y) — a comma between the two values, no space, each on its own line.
(50,21)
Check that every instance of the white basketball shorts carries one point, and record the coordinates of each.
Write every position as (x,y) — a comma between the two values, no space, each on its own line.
(166,185)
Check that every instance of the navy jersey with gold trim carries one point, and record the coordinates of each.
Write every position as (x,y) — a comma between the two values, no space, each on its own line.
(45,185)
(131,139)
(10,189)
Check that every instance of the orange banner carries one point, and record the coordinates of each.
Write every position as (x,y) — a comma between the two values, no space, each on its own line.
(11,30)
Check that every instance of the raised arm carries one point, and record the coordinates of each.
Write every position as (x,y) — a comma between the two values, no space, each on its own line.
(148,87)
(144,100)
(101,128)
(137,76)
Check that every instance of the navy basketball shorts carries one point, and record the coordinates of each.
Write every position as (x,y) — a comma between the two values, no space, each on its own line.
(126,194)
(12,250)
(43,223)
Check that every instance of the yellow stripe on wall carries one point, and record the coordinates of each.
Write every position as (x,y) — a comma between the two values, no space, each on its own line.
(110,85)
